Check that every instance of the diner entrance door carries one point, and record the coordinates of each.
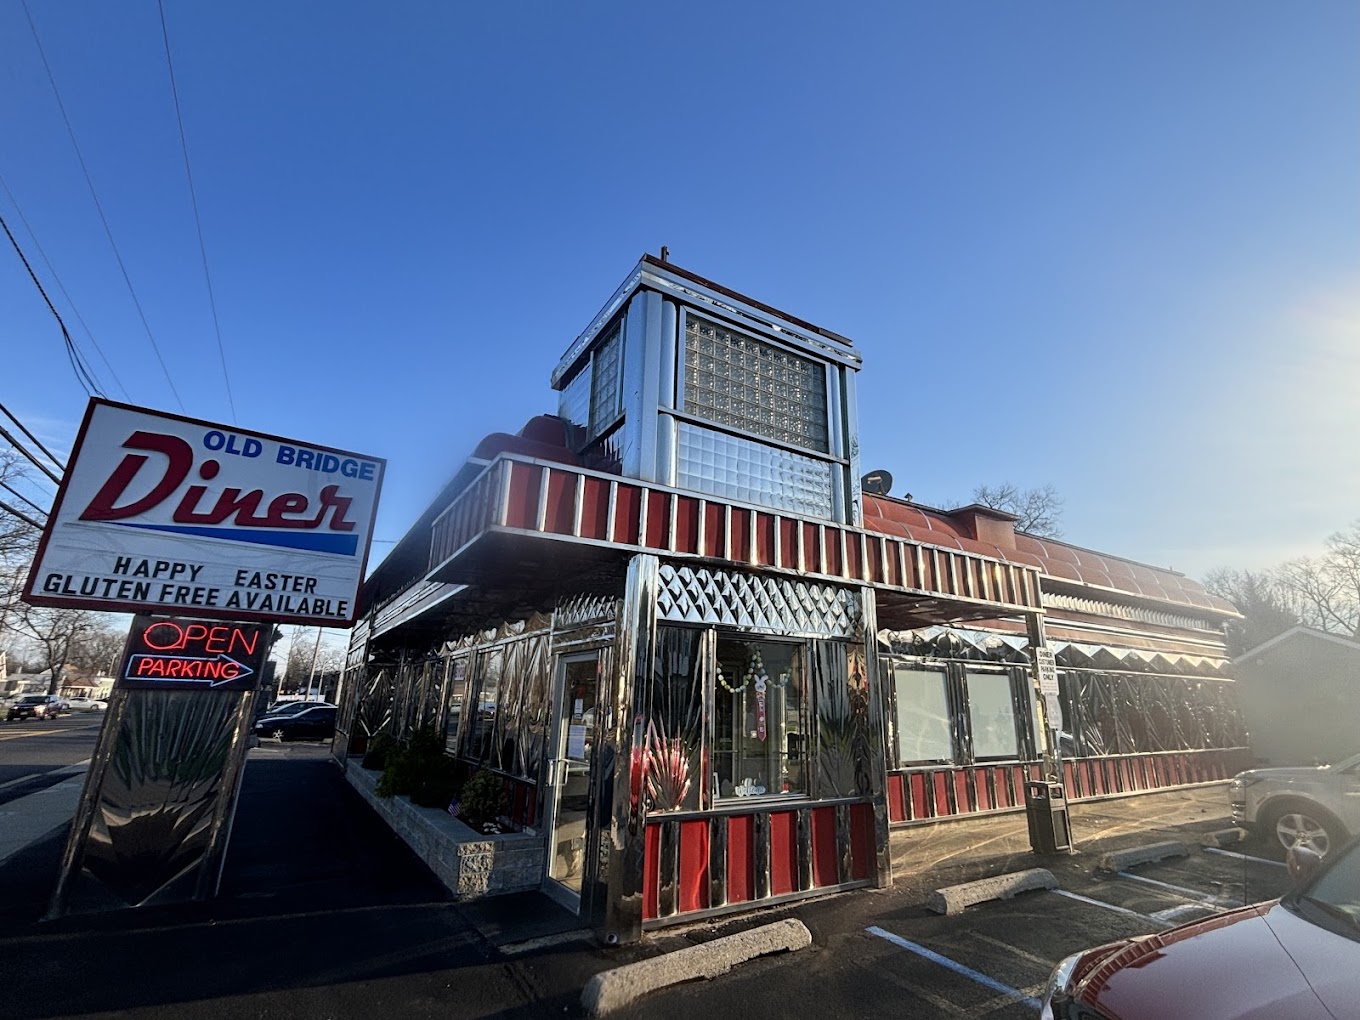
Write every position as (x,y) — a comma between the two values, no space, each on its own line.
(569,775)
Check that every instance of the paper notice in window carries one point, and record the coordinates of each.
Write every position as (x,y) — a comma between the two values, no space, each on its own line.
(576,742)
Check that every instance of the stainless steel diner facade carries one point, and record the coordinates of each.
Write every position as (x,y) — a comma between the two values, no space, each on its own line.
(712,673)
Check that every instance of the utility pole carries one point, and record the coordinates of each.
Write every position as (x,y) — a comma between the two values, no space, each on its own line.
(312,672)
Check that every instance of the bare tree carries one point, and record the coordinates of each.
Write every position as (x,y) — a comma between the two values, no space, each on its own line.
(1261,597)
(56,633)
(300,667)
(1325,590)
(1039,509)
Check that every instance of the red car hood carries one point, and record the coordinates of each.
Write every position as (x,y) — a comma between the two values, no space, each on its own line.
(1256,963)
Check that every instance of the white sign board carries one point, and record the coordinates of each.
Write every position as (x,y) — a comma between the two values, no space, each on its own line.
(161,513)
(1047,668)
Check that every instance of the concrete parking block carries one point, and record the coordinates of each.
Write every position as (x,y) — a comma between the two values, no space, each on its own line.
(621,986)
(1223,837)
(1122,860)
(954,898)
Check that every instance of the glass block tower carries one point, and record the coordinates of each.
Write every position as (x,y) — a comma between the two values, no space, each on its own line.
(683,382)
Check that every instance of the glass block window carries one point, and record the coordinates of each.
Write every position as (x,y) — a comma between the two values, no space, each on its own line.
(751,472)
(606,394)
(735,380)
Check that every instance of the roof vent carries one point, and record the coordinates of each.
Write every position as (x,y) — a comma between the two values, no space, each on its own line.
(876,482)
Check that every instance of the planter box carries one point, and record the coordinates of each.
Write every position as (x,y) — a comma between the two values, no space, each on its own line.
(469,863)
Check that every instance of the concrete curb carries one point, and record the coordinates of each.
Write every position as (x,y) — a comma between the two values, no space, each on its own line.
(1223,837)
(954,898)
(1121,860)
(616,988)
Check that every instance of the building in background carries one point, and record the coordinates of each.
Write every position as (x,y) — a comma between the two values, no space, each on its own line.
(1300,694)
(713,673)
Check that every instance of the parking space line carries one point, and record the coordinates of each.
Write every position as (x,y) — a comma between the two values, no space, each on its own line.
(1244,857)
(1217,902)
(1011,950)
(956,967)
(1101,903)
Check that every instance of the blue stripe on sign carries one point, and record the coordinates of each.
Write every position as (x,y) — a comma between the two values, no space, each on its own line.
(324,542)
(957,968)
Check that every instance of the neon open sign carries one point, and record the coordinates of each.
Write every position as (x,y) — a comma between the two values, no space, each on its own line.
(164,654)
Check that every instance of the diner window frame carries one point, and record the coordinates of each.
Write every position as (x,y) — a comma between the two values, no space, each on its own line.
(952,693)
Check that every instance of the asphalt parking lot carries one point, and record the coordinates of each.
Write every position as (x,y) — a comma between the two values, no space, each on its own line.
(885,954)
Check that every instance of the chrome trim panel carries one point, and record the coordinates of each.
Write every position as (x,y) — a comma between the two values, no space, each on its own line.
(756,602)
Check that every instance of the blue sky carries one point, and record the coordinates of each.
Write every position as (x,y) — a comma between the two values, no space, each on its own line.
(1114,247)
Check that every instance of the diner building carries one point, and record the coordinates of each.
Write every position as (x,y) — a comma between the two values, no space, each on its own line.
(713,672)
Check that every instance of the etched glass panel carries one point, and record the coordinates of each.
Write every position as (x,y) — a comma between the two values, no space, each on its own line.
(752,472)
(842,699)
(573,407)
(736,380)
(675,724)
(453,714)
(490,665)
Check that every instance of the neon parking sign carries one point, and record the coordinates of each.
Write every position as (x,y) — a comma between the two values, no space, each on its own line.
(162,513)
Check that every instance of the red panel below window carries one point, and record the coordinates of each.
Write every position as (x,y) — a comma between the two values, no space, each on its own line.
(918,795)
(686,524)
(825,870)
(961,801)
(694,865)
(595,509)
(984,793)
(658,519)
(764,525)
(561,515)
(941,791)
(651,868)
(715,528)
(897,797)
(627,515)
(521,509)
(741,858)
(783,852)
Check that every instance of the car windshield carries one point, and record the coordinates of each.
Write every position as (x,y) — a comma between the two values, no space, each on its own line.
(1346,763)
(1333,898)
(33,699)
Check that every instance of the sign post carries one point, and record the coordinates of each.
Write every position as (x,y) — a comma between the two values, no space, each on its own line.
(213,536)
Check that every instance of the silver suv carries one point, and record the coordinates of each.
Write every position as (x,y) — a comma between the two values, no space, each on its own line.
(1314,807)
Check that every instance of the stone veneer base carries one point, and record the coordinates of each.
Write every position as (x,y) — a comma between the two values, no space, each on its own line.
(470,864)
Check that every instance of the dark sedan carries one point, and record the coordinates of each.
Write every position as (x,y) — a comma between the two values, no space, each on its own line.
(315,723)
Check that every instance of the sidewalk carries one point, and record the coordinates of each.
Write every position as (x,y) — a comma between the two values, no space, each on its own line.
(26,820)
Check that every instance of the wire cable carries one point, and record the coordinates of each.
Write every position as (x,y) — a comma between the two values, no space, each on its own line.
(27,454)
(62,287)
(36,441)
(108,232)
(83,374)
(15,492)
(21,515)
(193,200)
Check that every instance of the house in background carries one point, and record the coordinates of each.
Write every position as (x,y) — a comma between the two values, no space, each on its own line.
(1300,694)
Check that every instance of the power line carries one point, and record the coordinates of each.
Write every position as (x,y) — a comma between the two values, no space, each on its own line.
(193,200)
(36,441)
(108,232)
(27,455)
(21,515)
(62,287)
(83,374)
(15,492)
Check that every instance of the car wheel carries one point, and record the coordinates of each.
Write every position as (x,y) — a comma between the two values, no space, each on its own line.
(1299,823)
(278,735)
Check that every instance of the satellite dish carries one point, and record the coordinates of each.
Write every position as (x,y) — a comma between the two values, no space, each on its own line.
(876,482)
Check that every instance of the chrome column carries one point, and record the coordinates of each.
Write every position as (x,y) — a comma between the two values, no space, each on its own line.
(618,811)
(878,736)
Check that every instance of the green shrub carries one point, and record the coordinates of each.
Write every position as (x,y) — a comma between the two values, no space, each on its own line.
(408,765)
(380,747)
(483,798)
(437,786)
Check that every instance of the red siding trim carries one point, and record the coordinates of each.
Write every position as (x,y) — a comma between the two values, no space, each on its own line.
(863,861)
(595,509)
(897,797)
(694,887)
(627,515)
(941,791)
(521,509)
(658,519)
(825,870)
(918,795)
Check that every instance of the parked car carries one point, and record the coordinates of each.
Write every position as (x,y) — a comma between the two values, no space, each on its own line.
(1315,807)
(315,722)
(1296,957)
(35,706)
(85,705)
(288,709)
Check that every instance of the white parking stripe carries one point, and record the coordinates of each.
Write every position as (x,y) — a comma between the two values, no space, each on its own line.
(1102,903)
(1194,895)
(958,968)
(1244,857)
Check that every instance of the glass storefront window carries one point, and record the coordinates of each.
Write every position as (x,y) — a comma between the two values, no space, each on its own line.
(490,665)
(991,711)
(924,732)
(453,715)
(761,720)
